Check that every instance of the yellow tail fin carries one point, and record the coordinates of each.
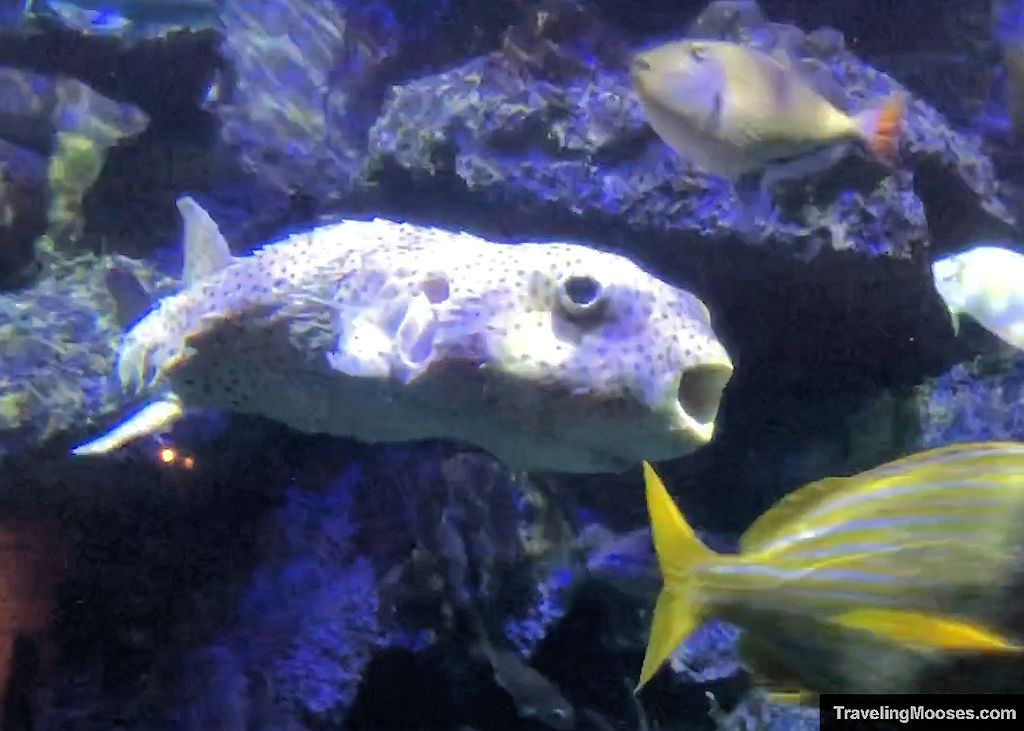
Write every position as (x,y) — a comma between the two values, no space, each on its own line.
(677,611)
(797,697)
(880,127)
(927,631)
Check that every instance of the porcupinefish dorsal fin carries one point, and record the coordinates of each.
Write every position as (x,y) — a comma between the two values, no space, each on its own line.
(150,419)
(131,299)
(206,251)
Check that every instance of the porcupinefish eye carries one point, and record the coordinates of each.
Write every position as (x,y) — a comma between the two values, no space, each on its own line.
(698,53)
(640,64)
(580,295)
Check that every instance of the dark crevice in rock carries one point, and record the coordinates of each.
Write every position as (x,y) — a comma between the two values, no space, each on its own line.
(955,218)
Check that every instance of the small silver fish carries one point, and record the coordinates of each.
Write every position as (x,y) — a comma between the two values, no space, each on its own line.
(550,356)
(126,18)
(734,110)
(535,697)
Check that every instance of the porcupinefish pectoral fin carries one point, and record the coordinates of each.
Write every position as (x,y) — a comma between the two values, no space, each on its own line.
(414,339)
(363,349)
(206,251)
(150,419)
(385,344)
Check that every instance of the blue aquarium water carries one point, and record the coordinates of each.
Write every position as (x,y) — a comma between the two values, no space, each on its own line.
(520,364)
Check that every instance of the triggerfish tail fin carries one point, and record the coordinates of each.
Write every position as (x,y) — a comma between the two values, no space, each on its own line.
(679,550)
(880,128)
(927,631)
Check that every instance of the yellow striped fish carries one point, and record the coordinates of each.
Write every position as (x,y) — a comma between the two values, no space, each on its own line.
(853,584)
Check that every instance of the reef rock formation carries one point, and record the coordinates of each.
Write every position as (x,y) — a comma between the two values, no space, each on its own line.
(75,126)
(23,203)
(58,341)
(71,126)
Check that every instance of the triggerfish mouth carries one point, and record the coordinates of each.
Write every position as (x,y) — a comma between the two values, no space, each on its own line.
(856,584)
(551,356)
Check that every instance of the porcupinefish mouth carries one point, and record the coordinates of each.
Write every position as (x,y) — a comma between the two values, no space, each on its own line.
(699,395)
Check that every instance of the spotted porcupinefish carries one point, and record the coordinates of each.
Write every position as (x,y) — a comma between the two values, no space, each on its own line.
(550,356)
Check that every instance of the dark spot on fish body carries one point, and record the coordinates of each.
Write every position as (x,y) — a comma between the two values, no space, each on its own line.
(436,290)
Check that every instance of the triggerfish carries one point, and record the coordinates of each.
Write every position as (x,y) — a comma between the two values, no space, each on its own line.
(984,282)
(855,584)
(733,110)
(551,356)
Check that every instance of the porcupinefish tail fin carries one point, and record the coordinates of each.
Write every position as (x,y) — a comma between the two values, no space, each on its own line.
(131,300)
(150,419)
(206,251)
(880,127)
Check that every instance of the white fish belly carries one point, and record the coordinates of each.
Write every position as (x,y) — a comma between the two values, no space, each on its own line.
(447,404)
(1001,313)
